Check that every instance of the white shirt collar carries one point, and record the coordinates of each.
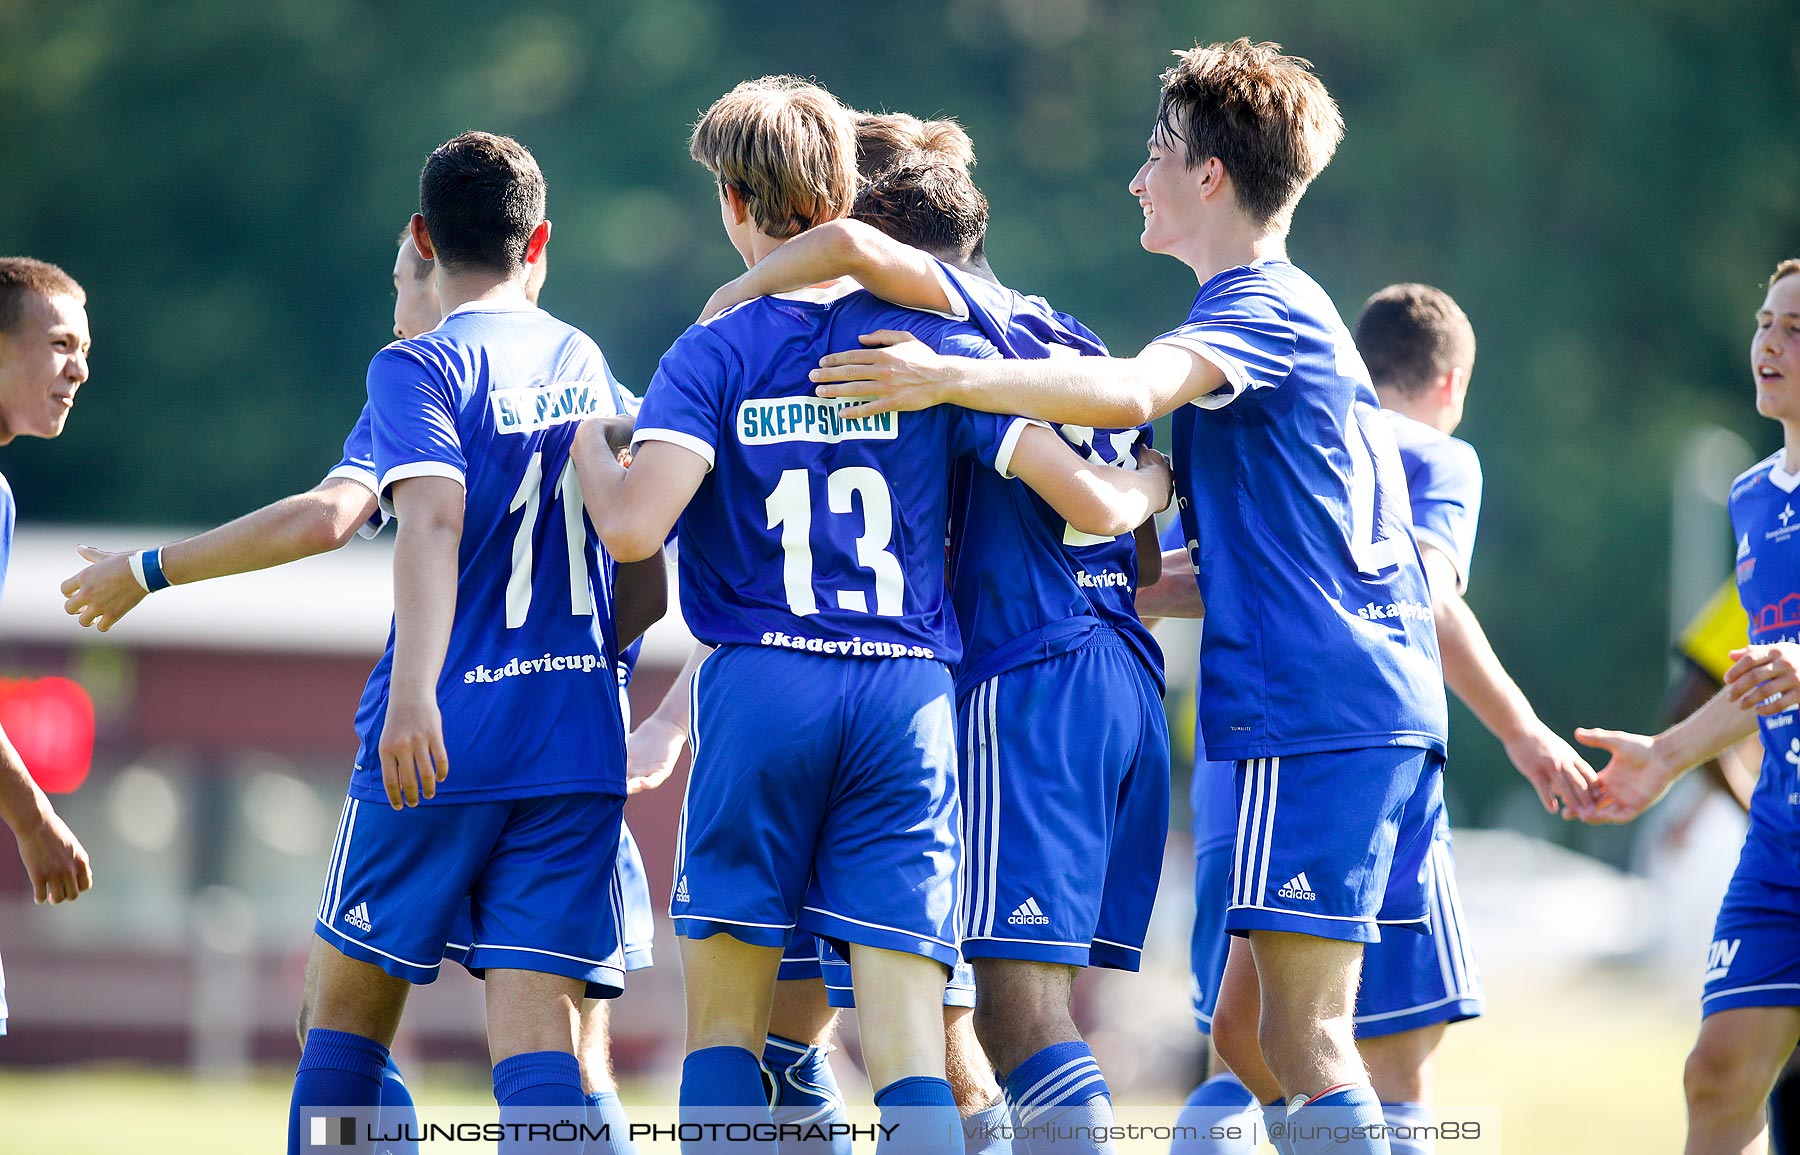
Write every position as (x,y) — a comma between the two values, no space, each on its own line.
(1780,478)
(481,306)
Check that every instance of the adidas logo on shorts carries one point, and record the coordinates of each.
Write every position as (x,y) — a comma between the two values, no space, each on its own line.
(1298,887)
(1028,914)
(358,917)
(681,894)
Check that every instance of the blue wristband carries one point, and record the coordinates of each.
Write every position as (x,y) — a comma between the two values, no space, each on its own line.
(154,578)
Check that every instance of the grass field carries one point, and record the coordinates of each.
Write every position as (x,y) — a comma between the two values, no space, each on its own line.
(1590,1065)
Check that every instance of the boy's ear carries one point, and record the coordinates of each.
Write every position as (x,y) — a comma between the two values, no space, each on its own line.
(420,238)
(735,202)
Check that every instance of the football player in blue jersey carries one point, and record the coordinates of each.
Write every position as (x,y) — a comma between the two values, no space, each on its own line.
(1320,671)
(1420,351)
(823,791)
(44,346)
(503,651)
(324,518)
(1064,744)
(814,981)
(1751,1004)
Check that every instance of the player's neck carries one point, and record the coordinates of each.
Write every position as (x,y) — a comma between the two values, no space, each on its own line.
(456,289)
(762,244)
(1227,242)
(1420,409)
(1790,448)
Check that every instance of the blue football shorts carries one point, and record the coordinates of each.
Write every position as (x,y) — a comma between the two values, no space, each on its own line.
(1065,789)
(1754,957)
(537,875)
(822,798)
(1333,844)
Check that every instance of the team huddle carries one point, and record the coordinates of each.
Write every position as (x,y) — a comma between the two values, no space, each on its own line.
(913,512)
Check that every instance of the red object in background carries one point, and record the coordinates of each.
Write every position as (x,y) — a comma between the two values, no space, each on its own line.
(51,724)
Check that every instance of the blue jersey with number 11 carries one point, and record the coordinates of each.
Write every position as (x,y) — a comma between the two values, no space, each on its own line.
(528,693)
(812,532)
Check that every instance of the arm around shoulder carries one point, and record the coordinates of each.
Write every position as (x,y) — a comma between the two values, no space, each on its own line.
(1104,500)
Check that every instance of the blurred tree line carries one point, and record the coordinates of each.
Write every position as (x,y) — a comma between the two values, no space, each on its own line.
(1601,185)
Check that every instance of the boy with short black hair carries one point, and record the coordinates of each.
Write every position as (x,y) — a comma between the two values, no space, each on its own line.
(503,652)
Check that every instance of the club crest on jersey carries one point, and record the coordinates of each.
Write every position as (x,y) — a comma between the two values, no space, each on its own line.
(541,406)
(771,420)
(1789,525)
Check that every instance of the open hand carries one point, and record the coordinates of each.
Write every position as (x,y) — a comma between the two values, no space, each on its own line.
(105,591)
(651,754)
(1632,779)
(897,372)
(1563,781)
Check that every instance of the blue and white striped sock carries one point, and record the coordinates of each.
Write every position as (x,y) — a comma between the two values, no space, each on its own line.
(1059,1100)
(806,1092)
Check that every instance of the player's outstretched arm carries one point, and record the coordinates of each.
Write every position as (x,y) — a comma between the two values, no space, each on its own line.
(655,745)
(843,248)
(1175,594)
(899,373)
(1095,498)
(1563,780)
(633,509)
(413,758)
(1734,775)
(54,860)
(295,527)
(1642,769)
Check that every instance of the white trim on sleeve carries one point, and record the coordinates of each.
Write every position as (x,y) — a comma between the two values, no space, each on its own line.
(365,478)
(1436,541)
(356,473)
(959,304)
(687,441)
(415,469)
(1237,381)
(1009,444)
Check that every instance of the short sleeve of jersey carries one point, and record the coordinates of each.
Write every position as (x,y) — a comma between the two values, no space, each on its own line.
(7,513)
(1240,325)
(682,405)
(412,415)
(358,465)
(1445,492)
(987,437)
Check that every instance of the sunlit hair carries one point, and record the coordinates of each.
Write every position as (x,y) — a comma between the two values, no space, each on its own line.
(885,139)
(482,195)
(22,276)
(786,146)
(928,203)
(1786,268)
(1411,335)
(1265,116)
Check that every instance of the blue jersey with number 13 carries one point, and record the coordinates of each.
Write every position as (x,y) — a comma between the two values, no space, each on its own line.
(811,532)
